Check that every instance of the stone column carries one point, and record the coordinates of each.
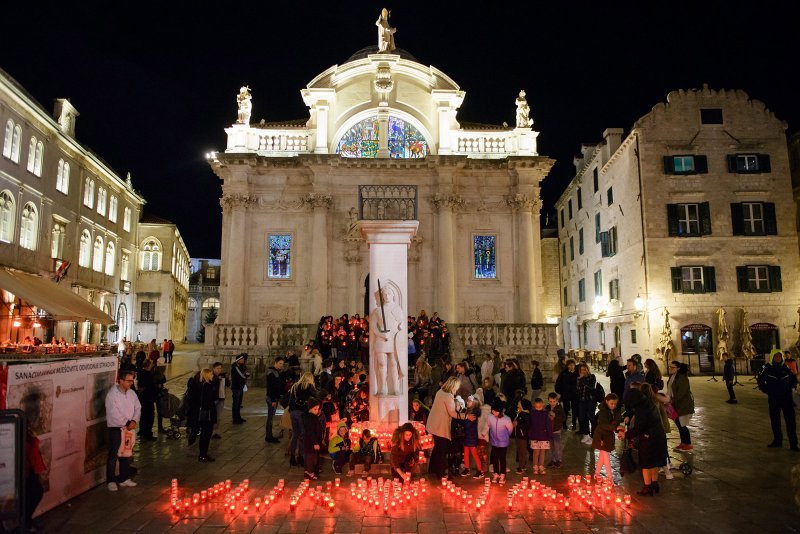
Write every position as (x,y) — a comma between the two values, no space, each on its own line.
(235,208)
(352,256)
(383,135)
(388,262)
(319,245)
(445,261)
(322,128)
(527,254)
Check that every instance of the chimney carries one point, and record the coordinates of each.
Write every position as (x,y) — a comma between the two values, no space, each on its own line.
(578,162)
(65,114)
(613,138)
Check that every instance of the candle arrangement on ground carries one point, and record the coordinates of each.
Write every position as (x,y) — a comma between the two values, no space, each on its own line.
(596,492)
(232,499)
(533,491)
(388,494)
(463,496)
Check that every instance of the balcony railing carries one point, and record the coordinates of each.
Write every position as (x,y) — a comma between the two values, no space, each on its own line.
(387,202)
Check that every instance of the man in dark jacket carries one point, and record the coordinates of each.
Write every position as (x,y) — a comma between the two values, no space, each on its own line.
(567,389)
(728,376)
(313,434)
(325,378)
(778,382)
(275,390)
(239,376)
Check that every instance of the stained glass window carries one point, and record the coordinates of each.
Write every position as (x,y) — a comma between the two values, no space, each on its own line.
(405,141)
(485,256)
(280,256)
(360,141)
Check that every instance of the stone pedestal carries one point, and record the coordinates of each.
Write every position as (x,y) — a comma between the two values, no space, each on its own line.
(388,243)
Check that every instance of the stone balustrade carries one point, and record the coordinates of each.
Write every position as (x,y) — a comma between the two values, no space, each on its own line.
(480,143)
(283,142)
(524,341)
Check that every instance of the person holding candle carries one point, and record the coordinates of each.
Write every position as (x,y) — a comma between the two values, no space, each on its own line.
(500,429)
(540,433)
(405,450)
(419,412)
(442,412)
(313,435)
(609,420)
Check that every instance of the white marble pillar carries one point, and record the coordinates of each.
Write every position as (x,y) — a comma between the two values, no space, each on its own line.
(319,242)
(388,243)
(526,258)
(234,305)
(445,260)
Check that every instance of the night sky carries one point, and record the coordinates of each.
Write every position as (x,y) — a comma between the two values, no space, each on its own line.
(156,86)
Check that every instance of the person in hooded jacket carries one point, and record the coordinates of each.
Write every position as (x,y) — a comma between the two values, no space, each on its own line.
(647,427)
(778,382)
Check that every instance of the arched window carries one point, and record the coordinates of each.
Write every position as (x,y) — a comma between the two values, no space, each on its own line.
(112,209)
(122,321)
(88,193)
(85,253)
(126,219)
(192,303)
(124,266)
(151,255)
(15,142)
(97,254)
(111,258)
(32,155)
(29,227)
(211,302)
(57,240)
(39,159)
(8,214)
(62,177)
(7,139)
(101,200)
(363,139)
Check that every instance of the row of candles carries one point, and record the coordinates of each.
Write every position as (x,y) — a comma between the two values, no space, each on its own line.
(388,493)
(528,489)
(322,497)
(459,493)
(233,498)
(596,491)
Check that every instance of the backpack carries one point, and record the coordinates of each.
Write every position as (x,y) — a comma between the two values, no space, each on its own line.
(599,392)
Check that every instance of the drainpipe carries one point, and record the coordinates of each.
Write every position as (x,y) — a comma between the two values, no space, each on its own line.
(644,242)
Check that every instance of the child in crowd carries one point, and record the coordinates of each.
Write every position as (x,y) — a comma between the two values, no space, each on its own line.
(522,423)
(609,421)
(313,435)
(471,438)
(558,418)
(339,447)
(483,430)
(367,451)
(500,429)
(541,431)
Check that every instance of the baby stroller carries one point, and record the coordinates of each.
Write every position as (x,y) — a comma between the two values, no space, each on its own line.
(171,407)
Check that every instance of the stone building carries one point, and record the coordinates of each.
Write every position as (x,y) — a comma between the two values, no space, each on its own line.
(203,295)
(680,236)
(64,214)
(382,141)
(162,282)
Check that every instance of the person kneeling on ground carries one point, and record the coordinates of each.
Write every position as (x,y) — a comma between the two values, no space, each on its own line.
(313,433)
(367,451)
(405,451)
(339,447)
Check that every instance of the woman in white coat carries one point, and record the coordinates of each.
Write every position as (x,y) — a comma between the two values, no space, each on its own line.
(442,412)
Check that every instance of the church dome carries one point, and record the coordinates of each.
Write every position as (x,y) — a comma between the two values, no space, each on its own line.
(367,50)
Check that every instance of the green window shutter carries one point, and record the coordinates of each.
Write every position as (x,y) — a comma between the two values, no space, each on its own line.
(775,284)
(770,221)
(700,164)
(669,165)
(709,279)
(672,219)
(705,218)
(737,218)
(677,279)
(580,241)
(763,163)
(741,279)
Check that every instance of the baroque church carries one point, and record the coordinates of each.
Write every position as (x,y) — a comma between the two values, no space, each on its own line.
(382,141)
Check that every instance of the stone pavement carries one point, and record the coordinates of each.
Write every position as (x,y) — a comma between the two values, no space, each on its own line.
(738,485)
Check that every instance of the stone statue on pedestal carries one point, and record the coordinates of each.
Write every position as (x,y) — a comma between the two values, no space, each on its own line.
(385,32)
(245,102)
(384,338)
(523,111)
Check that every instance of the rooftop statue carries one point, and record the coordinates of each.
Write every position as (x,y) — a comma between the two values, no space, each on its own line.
(244,100)
(523,111)
(385,32)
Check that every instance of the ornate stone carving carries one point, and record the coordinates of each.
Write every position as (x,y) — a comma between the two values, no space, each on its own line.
(442,201)
(383,80)
(415,248)
(486,313)
(318,200)
(245,104)
(283,205)
(520,202)
(523,111)
(235,200)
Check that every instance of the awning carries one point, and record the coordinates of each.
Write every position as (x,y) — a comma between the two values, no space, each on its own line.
(61,303)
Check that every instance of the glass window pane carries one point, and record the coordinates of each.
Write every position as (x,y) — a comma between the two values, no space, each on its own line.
(485,253)
(280,256)
(405,141)
(360,141)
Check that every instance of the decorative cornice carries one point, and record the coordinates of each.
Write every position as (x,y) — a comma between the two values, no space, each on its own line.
(520,202)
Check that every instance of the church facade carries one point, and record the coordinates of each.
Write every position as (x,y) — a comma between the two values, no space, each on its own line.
(382,141)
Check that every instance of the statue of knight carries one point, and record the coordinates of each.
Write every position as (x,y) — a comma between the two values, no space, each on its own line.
(387,329)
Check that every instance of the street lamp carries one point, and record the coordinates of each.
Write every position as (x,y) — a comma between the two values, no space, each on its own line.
(638,302)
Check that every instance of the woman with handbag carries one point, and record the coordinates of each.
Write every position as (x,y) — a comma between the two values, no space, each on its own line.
(207,412)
